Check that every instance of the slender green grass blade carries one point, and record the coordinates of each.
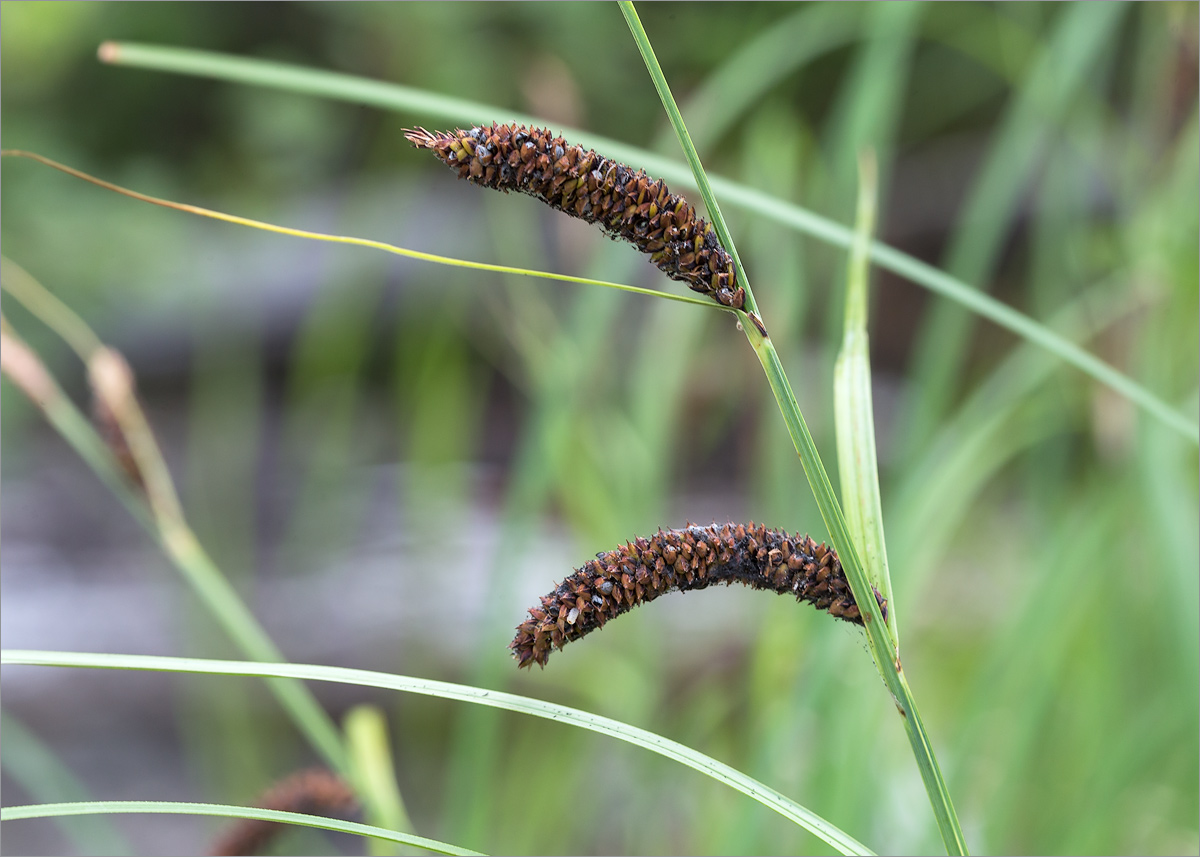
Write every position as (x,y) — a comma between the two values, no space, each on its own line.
(48,308)
(188,556)
(131,807)
(557,393)
(689,149)
(1055,80)
(882,647)
(347,239)
(754,68)
(974,300)
(40,773)
(227,742)
(719,771)
(395,97)
(853,410)
(988,430)
(871,101)
(371,754)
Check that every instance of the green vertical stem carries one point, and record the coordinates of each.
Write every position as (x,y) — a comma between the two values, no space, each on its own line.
(889,667)
(887,659)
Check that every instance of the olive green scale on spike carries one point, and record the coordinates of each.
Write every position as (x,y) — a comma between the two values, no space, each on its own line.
(689,558)
(627,204)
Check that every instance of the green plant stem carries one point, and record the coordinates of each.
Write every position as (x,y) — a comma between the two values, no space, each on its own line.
(109,807)
(1065,66)
(689,149)
(343,239)
(883,651)
(941,283)
(854,415)
(46,306)
(878,640)
(241,626)
(43,777)
(389,96)
(370,751)
(186,553)
(694,759)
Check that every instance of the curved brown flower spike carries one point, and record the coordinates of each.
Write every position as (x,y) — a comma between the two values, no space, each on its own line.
(690,558)
(627,204)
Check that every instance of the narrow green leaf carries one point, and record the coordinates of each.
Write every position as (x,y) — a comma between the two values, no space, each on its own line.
(139,807)
(689,150)
(719,771)
(335,239)
(43,776)
(1057,78)
(371,754)
(880,643)
(757,66)
(388,96)
(184,551)
(53,313)
(853,410)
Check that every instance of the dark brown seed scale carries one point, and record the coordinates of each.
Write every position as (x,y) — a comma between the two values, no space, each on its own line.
(626,204)
(689,558)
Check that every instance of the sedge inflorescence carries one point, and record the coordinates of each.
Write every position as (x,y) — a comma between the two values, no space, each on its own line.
(314,791)
(627,204)
(693,557)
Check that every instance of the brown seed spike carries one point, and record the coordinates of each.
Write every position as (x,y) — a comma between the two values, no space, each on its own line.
(314,791)
(689,558)
(626,204)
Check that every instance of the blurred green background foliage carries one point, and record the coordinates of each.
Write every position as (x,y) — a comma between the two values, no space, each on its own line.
(393,459)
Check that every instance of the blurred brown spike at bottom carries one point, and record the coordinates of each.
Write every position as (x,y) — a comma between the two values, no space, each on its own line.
(314,791)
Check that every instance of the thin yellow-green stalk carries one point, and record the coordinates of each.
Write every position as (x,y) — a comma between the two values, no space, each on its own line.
(346,239)
(156,807)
